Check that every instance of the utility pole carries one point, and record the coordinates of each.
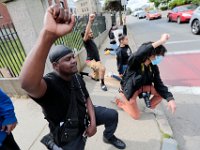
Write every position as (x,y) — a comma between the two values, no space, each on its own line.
(124,3)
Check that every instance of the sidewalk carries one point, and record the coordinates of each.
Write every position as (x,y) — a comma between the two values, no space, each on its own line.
(143,134)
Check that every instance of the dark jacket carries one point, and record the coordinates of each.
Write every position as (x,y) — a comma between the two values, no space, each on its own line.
(7,114)
(111,34)
(121,59)
(138,75)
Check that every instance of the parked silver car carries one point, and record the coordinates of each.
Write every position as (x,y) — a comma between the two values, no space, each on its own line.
(141,14)
(135,13)
(195,21)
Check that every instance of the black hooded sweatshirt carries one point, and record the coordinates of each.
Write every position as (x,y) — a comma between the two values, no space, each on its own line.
(141,75)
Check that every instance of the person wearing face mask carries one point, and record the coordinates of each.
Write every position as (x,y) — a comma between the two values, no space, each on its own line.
(143,76)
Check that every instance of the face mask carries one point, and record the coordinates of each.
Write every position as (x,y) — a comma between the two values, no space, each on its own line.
(157,60)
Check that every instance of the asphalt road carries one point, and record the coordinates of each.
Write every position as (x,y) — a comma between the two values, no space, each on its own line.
(180,68)
(181,37)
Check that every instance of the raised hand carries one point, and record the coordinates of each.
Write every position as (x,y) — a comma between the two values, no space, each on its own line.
(58,21)
(165,37)
(92,17)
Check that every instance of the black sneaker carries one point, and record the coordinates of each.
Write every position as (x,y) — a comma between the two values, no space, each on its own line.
(94,79)
(48,141)
(103,87)
(115,142)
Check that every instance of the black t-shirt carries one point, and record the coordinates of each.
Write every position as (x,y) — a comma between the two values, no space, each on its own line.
(125,53)
(56,100)
(92,50)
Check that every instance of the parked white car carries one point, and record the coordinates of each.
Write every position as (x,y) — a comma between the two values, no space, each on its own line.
(135,13)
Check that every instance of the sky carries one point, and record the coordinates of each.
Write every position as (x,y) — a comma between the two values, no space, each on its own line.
(136,3)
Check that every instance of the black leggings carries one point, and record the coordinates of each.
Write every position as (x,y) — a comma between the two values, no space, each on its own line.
(9,143)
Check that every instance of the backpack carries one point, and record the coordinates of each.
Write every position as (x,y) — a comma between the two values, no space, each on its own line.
(128,83)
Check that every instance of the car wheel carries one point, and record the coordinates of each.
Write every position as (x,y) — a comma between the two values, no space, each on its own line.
(179,20)
(195,28)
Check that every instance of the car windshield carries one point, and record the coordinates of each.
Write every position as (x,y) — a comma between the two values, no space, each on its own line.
(186,8)
(152,11)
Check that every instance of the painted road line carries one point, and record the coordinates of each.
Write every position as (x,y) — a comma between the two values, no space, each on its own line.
(185,90)
(184,52)
(183,41)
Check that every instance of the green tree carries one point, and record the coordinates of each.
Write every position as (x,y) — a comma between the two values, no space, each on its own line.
(196,2)
(157,2)
(175,3)
(114,5)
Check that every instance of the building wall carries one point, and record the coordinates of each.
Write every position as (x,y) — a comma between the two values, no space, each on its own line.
(85,7)
(27,16)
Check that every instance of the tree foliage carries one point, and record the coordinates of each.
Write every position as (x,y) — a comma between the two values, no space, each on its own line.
(113,5)
(174,3)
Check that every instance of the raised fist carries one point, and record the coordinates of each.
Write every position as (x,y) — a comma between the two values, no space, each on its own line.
(165,37)
(92,17)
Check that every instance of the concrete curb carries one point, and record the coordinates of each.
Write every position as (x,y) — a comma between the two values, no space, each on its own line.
(169,144)
(163,122)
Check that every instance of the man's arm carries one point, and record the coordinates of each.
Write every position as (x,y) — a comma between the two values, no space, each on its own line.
(91,130)
(161,41)
(57,23)
(88,27)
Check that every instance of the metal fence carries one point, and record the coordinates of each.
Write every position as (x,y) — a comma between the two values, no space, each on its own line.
(12,54)
(74,39)
(11,51)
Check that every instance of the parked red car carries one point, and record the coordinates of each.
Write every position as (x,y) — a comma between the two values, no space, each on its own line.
(153,14)
(181,13)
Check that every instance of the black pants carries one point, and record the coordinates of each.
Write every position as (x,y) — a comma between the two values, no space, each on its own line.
(9,143)
(104,116)
(107,117)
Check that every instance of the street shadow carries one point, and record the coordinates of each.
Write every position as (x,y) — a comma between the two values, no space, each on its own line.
(138,145)
(130,145)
